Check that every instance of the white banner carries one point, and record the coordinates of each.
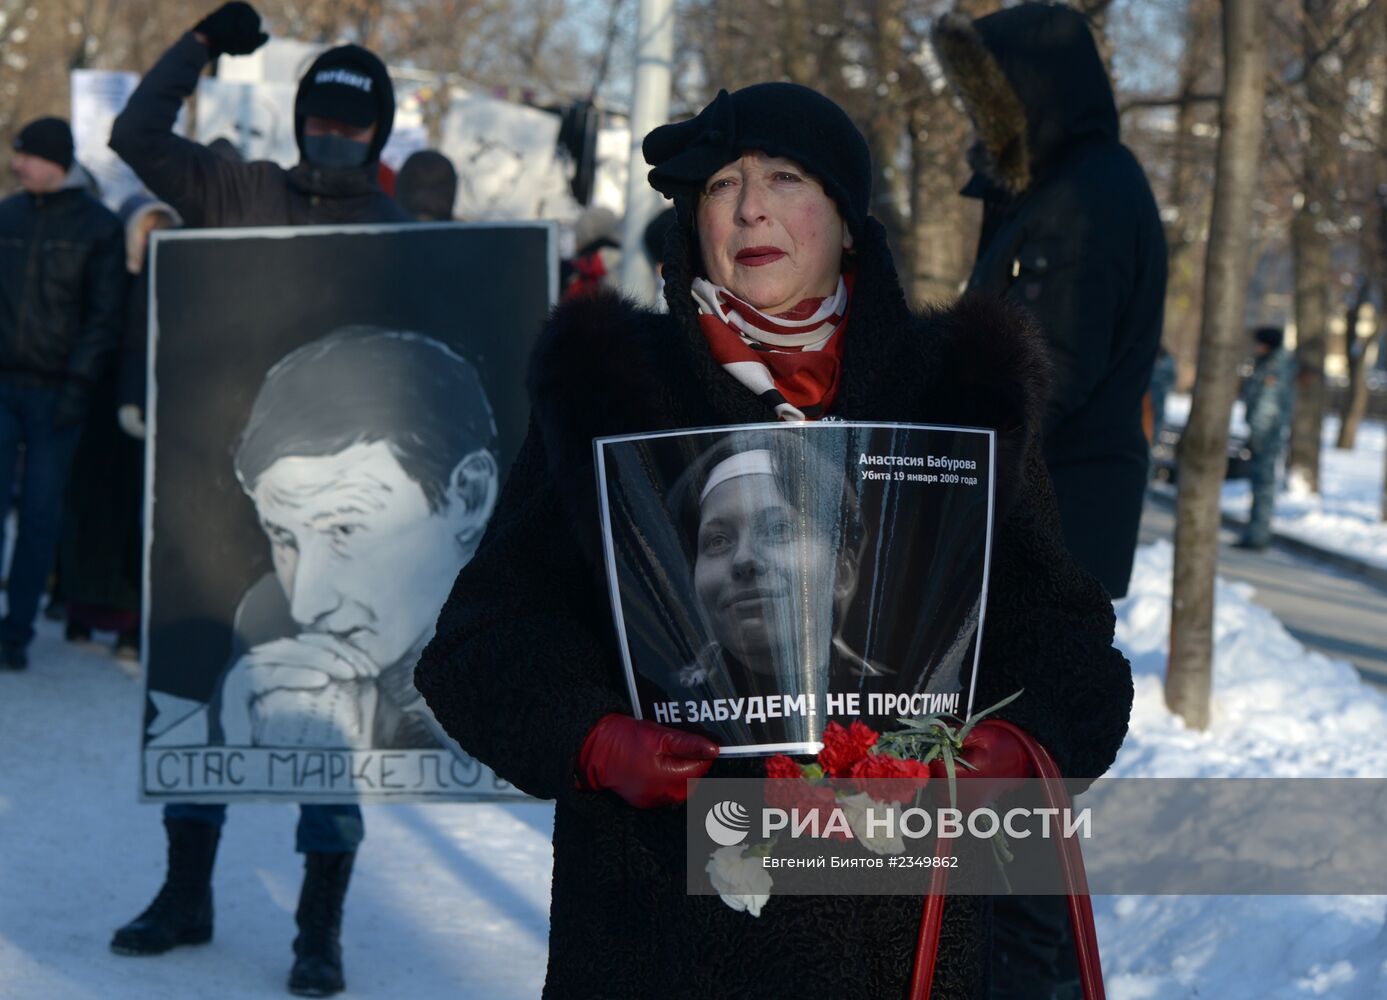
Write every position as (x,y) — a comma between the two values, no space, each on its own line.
(258,118)
(98,95)
(506,161)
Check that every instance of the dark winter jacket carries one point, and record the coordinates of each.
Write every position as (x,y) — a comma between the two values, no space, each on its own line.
(62,288)
(209,190)
(524,660)
(101,552)
(1071,232)
(134,352)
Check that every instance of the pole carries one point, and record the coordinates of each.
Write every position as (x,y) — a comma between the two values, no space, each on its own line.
(650,109)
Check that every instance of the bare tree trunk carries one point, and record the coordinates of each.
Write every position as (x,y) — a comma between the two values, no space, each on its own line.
(943,226)
(1384,484)
(1311,251)
(800,65)
(1361,353)
(1312,247)
(1374,249)
(1183,235)
(1189,674)
(888,126)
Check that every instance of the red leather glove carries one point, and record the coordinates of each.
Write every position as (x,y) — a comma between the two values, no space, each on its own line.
(645,763)
(998,757)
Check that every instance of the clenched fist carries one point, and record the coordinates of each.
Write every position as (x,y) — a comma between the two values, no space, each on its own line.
(309,690)
(232,29)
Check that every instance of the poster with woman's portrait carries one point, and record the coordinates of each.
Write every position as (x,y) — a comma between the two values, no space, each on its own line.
(767,579)
(331,413)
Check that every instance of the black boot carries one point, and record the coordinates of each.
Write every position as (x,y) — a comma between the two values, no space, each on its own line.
(317,968)
(182,912)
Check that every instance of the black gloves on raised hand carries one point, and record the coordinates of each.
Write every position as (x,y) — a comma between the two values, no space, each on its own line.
(232,29)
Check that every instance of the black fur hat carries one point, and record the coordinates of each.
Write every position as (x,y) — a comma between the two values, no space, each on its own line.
(778,119)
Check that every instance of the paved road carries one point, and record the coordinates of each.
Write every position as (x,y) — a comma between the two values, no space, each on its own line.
(1325,608)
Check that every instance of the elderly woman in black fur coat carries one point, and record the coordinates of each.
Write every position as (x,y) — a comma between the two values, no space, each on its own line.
(774,259)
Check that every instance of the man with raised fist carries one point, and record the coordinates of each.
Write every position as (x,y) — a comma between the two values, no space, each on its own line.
(342,117)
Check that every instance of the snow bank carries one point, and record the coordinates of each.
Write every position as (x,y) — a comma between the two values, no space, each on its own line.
(1279,711)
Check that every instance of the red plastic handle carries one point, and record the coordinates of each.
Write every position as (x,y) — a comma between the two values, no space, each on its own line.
(1071,861)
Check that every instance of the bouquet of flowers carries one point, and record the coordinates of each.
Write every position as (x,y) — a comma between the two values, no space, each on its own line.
(858,769)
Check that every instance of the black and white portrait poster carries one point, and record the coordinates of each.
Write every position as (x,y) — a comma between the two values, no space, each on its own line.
(333,412)
(767,579)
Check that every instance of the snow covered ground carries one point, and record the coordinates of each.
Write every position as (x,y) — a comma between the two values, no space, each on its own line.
(1279,711)
(1346,515)
(452,901)
(447,901)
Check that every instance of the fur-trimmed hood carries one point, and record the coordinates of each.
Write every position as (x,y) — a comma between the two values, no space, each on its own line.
(1032,81)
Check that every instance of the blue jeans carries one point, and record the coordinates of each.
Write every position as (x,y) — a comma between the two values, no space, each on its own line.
(323,829)
(26,418)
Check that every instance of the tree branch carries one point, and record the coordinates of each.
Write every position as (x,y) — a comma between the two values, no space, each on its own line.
(1166,101)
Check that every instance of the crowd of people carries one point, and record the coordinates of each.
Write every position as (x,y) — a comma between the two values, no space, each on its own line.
(1053,345)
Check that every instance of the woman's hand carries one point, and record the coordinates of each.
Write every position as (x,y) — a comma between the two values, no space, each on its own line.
(645,763)
(999,759)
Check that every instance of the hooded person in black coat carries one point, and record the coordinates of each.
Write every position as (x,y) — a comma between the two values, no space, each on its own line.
(1071,233)
(524,670)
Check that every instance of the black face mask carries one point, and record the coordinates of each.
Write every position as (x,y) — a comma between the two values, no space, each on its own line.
(333,150)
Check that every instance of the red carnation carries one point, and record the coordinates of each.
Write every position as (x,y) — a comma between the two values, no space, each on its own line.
(801,795)
(845,747)
(889,779)
(781,766)
(788,789)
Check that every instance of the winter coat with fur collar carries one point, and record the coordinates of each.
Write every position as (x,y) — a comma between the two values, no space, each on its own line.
(525,659)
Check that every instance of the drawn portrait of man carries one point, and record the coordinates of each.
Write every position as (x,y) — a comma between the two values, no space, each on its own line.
(370,458)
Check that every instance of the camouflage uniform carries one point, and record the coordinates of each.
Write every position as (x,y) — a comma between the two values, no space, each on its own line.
(1267,395)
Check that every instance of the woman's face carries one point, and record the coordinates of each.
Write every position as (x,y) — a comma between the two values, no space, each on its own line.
(766,579)
(769,234)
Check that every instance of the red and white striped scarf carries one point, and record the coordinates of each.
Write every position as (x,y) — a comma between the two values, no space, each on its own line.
(792,361)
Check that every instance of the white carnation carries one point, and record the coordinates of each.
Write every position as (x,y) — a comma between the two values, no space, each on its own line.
(855,810)
(740,879)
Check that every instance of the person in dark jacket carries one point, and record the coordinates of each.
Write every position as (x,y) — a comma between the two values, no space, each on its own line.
(1268,395)
(62,296)
(771,186)
(657,232)
(1163,376)
(427,186)
(101,555)
(595,265)
(343,114)
(1071,232)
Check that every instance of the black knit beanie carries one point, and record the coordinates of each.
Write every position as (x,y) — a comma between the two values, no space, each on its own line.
(49,138)
(778,119)
(348,84)
(1272,336)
